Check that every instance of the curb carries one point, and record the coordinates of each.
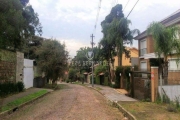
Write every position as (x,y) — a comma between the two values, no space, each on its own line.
(8,112)
(115,104)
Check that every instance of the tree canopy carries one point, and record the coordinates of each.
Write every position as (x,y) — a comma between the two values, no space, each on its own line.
(18,22)
(116,34)
(52,59)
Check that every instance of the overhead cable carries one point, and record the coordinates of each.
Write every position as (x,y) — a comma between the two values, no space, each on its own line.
(132,9)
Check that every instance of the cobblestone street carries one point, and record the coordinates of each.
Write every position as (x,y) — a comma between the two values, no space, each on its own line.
(74,102)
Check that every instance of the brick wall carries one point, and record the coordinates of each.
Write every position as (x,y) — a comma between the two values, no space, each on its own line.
(140,91)
(174,78)
(7,66)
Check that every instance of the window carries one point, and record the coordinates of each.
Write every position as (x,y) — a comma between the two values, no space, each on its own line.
(143,68)
(143,47)
(173,64)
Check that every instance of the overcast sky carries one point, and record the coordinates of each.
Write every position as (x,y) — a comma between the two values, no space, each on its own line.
(72,21)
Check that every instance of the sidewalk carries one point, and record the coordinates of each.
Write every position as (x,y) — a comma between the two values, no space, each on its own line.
(22,94)
(115,96)
(112,94)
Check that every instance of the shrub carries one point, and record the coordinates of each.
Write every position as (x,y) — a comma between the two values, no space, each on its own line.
(106,81)
(98,80)
(119,70)
(20,86)
(100,69)
(10,88)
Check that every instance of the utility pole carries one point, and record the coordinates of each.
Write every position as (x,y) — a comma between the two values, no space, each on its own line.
(92,43)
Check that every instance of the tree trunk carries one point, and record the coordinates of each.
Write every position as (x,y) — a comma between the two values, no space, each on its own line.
(120,51)
(165,72)
(109,70)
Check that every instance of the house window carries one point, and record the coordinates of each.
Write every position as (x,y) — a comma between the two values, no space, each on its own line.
(143,47)
(144,68)
(173,64)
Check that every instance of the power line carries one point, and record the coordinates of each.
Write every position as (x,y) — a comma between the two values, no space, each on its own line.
(126,5)
(132,8)
(98,11)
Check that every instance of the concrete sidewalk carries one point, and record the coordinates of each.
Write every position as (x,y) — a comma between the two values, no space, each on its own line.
(112,94)
(22,94)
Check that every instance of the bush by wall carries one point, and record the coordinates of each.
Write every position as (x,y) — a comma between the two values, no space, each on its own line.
(127,70)
(124,70)
(119,70)
(98,80)
(106,81)
(10,88)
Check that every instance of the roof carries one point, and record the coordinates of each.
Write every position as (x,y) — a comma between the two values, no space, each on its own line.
(168,21)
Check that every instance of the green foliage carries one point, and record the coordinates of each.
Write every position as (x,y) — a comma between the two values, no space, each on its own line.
(52,59)
(72,74)
(165,42)
(119,70)
(98,80)
(32,46)
(18,22)
(100,69)
(106,82)
(127,70)
(11,23)
(10,88)
(124,70)
(20,86)
(164,38)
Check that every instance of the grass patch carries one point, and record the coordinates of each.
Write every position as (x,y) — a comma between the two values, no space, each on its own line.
(62,86)
(149,111)
(98,88)
(55,86)
(22,100)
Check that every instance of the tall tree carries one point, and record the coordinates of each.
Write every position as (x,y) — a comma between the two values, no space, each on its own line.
(166,41)
(32,46)
(11,22)
(18,22)
(116,34)
(120,33)
(52,59)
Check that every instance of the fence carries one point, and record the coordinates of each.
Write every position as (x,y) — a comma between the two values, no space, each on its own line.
(172,92)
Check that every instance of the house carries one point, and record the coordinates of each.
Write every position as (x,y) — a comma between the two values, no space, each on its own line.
(146,50)
(133,60)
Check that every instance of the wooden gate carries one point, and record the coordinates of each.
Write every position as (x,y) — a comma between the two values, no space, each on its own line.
(141,85)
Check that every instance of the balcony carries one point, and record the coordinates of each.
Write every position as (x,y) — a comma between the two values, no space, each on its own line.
(143,51)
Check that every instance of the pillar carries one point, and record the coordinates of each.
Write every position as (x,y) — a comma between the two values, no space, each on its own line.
(154,83)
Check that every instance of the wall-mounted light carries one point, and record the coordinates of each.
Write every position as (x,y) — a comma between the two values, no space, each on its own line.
(119,74)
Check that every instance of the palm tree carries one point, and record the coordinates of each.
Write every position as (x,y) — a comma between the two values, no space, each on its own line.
(165,40)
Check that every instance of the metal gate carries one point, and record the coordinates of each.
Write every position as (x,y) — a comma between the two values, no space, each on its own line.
(28,73)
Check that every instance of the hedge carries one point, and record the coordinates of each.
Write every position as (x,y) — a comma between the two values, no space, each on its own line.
(10,88)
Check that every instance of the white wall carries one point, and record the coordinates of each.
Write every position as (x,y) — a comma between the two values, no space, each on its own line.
(28,73)
(172,91)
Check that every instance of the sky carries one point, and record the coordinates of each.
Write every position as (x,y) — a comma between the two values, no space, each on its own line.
(73,21)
